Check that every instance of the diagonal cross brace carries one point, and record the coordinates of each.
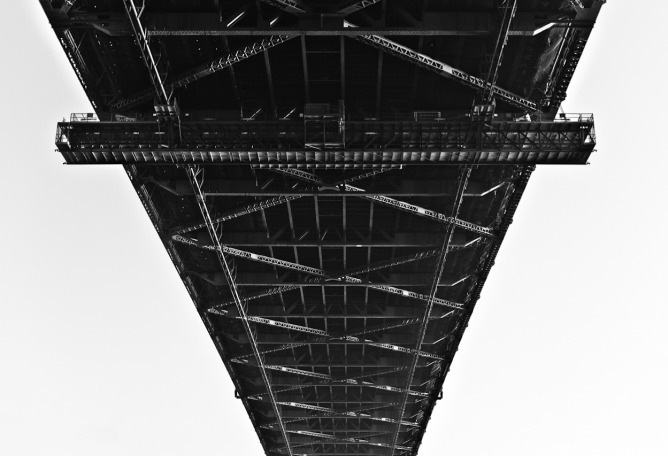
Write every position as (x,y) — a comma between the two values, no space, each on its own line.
(205,70)
(355,6)
(289,6)
(329,412)
(239,212)
(142,40)
(447,239)
(444,69)
(319,272)
(347,381)
(324,335)
(194,176)
(266,203)
(397,204)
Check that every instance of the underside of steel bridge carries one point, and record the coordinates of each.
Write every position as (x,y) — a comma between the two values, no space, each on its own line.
(331,179)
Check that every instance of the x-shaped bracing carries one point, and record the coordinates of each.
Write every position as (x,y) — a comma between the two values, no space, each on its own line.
(326,336)
(359,413)
(352,190)
(344,278)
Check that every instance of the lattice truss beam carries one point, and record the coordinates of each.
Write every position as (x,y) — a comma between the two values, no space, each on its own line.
(301,18)
(345,347)
(360,143)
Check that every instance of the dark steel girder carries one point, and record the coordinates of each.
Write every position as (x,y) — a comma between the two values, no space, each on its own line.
(446,70)
(324,336)
(201,71)
(256,206)
(460,23)
(289,6)
(195,176)
(440,266)
(281,143)
(387,201)
(355,6)
(141,37)
(330,413)
(328,380)
(342,278)
(509,12)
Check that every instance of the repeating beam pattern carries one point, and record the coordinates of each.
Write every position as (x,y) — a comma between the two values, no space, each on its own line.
(325,205)
(368,144)
(195,177)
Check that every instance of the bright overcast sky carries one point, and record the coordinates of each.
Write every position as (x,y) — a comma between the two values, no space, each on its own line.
(102,352)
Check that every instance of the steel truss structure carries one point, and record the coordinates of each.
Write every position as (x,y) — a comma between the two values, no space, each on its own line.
(367,143)
(325,192)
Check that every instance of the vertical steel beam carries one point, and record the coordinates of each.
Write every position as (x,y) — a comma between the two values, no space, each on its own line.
(196,180)
(501,41)
(145,48)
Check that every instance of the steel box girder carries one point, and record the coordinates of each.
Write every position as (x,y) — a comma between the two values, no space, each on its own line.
(282,142)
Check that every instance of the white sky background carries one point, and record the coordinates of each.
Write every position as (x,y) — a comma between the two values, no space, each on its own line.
(102,352)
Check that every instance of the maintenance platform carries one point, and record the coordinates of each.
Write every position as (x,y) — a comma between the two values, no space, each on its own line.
(332,180)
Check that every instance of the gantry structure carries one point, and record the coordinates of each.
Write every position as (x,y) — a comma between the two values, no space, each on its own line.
(332,180)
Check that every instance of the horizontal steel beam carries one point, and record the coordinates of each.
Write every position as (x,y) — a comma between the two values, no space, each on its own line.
(424,239)
(459,23)
(279,143)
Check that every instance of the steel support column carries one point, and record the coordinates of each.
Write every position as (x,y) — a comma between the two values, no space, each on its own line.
(147,55)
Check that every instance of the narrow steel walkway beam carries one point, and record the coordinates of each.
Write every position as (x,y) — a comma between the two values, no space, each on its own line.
(444,69)
(195,177)
(447,239)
